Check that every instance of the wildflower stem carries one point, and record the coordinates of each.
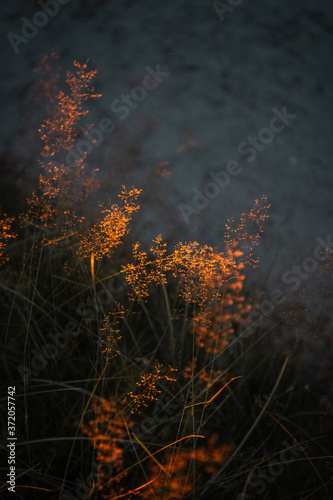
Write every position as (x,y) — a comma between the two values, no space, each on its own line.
(218,473)
(172,336)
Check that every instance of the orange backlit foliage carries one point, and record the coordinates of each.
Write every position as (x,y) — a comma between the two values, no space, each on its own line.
(103,237)
(215,321)
(147,387)
(111,333)
(214,325)
(107,432)
(59,132)
(65,183)
(202,270)
(170,476)
(206,284)
(5,233)
(246,235)
(181,465)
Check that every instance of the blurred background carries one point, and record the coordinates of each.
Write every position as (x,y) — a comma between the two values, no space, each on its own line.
(190,89)
(227,70)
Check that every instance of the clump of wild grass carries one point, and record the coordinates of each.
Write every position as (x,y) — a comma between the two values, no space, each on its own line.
(131,380)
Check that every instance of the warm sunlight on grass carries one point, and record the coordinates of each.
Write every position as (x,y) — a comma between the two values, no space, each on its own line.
(135,347)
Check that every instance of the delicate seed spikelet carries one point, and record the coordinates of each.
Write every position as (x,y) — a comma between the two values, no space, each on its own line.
(5,234)
(111,333)
(65,183)
(106,235)
(147,387)
(246,235)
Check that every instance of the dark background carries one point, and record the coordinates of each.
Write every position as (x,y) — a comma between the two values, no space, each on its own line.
(225,78)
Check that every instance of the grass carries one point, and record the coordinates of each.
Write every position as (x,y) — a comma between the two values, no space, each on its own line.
(131,380)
